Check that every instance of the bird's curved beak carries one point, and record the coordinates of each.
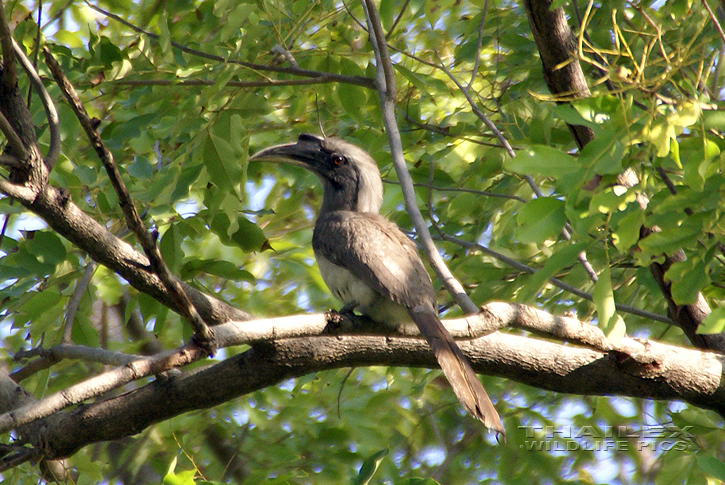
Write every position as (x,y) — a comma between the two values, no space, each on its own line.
(306,152)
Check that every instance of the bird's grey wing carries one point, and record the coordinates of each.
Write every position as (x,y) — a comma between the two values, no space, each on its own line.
(376,251)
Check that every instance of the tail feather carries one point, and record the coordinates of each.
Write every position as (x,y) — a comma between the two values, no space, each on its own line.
(456,368)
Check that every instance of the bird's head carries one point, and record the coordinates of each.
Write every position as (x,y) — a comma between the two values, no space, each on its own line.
(349,175)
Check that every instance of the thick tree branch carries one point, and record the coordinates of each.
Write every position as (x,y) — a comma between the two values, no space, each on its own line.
(558,51)
(100,384)
(642,369)
(493,316)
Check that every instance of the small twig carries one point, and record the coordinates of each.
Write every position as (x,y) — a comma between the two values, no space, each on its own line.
(75,300)
(295,71)
(323,78)
(9,462)
(14,141)
(477,111)
(554,281)
(50,111)
(397,19)
(477,59)
(36,48)
(10,74)
(133,221)
(53,355)
(100,384)
(342,387)
(484,193)
(385,80)
(79,352)
(442,131)
(714,20)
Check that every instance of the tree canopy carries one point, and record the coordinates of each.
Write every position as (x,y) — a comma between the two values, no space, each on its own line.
(162,312)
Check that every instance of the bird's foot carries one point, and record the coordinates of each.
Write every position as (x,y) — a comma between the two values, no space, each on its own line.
(338,322)
(345,319)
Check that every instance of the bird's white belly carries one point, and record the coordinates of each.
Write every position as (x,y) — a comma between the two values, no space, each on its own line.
(351,290)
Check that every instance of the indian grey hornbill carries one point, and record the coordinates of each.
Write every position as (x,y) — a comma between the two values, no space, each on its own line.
(369,264)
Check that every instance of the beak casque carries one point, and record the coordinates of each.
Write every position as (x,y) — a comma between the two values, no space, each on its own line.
(306,152)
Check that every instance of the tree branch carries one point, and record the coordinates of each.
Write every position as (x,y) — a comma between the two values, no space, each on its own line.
(10,74)
(385,81)
(133,221)
(492,317)
(14,141)
(554,281)
(50,111)
(645,369)
(75,300)
(295,71)
(100,384)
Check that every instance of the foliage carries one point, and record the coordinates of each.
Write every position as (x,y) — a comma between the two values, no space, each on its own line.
(181,127)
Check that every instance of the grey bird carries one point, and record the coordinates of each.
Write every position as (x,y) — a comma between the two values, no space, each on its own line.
(369,264)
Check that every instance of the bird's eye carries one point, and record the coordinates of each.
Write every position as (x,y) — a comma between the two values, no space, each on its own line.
(338,159)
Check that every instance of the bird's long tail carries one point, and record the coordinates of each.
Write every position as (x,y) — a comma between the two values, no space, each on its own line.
(456,368)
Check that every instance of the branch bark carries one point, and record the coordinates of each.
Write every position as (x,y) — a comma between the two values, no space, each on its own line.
(641,369)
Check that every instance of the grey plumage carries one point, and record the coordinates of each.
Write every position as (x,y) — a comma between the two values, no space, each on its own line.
(369,264)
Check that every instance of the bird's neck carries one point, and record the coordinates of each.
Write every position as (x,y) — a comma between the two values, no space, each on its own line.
(362,197)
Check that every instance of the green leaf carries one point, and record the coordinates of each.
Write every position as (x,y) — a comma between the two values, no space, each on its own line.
(108,287)
(387,13)
(714,322)
(609,320)
(222,163)
(165,38)
(47,247)
(223,269)
(688,278)
(38,303)
(711,466)
(83,333)
(248,236)
(141,168)
(353,99)
(542,160)
(665,242)
(697,155)
(540,219)
(603,155)
(569,114)
(369,467)
(561,259)
(170,247)
(626,231)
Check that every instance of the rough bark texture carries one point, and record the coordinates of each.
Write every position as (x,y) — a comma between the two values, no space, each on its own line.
(639,369)
(558,51)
